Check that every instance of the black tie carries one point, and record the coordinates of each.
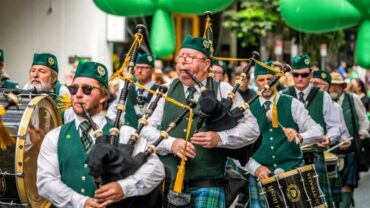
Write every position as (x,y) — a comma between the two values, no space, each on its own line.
(86,139)
(301,98)
(191,91)
(267,105)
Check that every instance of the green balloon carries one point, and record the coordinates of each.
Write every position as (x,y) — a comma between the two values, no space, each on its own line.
(194,6)
(162,38)
(363,45)
(127,8)
(319,16)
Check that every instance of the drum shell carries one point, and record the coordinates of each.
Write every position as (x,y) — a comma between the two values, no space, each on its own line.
(38,113)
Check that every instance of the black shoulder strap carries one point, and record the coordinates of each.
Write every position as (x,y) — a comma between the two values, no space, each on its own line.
(311,95)
(292,91)
(150,95)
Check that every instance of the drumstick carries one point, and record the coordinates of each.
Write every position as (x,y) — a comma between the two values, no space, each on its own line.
(338,145)
(309,145)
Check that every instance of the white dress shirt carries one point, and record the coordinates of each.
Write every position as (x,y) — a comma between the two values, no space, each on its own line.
(49,183)
(308,128)
(246,131)
(331,118)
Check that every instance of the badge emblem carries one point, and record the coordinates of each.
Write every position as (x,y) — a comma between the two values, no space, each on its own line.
(51,61)
(206,44)
(293,193)
(149,58)
(100,71)
(323,75)
(306,61)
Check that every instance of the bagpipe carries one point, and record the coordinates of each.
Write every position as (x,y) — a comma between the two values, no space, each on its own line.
(109,160)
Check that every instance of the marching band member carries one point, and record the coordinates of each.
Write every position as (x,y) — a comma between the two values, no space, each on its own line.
(278,149)
(43,77)
(138,99)
(62,175)
(205,166)
(322,79)
(4,79)
(358,126)
(320,106)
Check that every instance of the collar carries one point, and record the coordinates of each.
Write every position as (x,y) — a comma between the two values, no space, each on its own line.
(204,82)
(341,98)
(305,91)
(147,85)
(263,100)
(99,119)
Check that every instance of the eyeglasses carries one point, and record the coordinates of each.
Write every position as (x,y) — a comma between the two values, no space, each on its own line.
(188,59)
(303,75)
(86,89)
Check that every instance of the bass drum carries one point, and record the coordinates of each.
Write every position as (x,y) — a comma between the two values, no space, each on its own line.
(28,124)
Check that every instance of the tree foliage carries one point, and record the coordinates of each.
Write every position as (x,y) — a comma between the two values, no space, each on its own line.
(256,19)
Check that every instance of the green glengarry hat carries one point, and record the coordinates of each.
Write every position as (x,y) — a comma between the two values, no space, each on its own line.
(219,63)
(260,70)
(93,70)
(1,55)
(198,43)
(323,75)
(46,59)
(145,58)
(301,62)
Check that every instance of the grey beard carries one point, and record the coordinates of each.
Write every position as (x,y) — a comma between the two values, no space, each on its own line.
(42,87)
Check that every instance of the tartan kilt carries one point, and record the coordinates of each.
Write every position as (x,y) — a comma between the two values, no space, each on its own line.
(208,197)
(324,182)
(336,189)
(255,198)
(350,175)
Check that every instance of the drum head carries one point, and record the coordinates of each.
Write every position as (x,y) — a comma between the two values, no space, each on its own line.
(40,116)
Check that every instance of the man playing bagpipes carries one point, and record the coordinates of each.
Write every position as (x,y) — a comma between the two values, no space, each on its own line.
(205,164)
(281,120)
(138,99)
(63,175)
(319,105)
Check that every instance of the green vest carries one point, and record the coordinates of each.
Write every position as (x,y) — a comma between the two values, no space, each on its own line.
(315,107)
(72,159)
(208,163)
(275,150)
(349,113)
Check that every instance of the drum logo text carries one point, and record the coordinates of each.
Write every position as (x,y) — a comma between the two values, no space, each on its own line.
(293,193)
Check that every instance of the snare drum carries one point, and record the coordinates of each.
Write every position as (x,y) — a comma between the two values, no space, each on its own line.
(18,167)
(309,155)
(331,164)
(295,188)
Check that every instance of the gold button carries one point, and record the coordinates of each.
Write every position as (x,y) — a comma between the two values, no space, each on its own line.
(82,190)
(83,178)
(272,147)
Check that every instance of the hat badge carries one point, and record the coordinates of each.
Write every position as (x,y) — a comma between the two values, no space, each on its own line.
(307,62)
(206,44)
(149,58)
(51,61)
(323,75)
(220,63)
(100,71)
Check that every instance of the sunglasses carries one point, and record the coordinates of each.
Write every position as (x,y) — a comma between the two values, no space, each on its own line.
(86,89)
(303,75)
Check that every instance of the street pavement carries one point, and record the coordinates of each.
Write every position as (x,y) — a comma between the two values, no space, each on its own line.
(362,193)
